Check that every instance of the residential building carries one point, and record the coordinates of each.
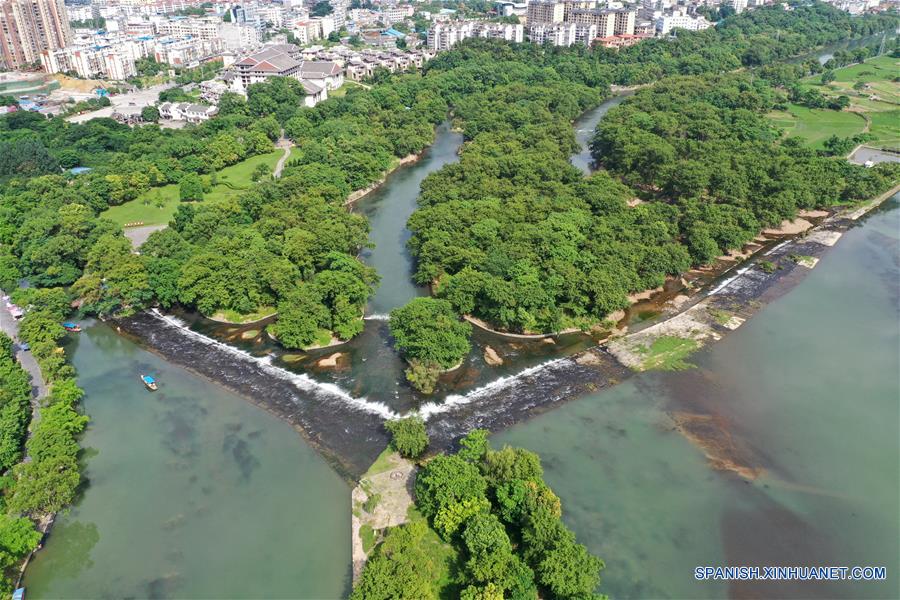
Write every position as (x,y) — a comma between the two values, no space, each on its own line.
(206,28)
(28,27)
(556,34)
(185,111)
(505,8)
(285,60)
(680,20)
(395,14)
(544,12)
(621,41)
(443,35)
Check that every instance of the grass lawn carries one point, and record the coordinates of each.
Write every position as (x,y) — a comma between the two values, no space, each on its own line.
(816,125)
(235,179)
(342,91)
(144,208)
(886,127)
(232,316)
(668,353)
(158,205)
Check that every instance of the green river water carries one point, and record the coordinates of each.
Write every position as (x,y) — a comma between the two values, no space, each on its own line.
(196,493)
(192,493)
(808,389)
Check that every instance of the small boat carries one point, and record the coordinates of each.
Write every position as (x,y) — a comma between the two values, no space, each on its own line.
(149,382)
(73,327)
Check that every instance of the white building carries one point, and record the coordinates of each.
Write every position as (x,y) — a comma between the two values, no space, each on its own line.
(184,111)
(443,35)
(680,20)
(556,34)
(284,60)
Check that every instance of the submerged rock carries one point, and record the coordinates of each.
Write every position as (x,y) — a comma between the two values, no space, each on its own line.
(329,361)
(491,357)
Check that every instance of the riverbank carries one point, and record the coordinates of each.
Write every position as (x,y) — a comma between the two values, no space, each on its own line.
(10,326)
(359,194)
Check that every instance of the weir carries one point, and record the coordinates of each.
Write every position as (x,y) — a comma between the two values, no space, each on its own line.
(341,412)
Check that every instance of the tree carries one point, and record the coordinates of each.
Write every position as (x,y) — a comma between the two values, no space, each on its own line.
(447,480)
(400,568)
(150,114)
(18,537)
(301,315)
(190,188)
(321,9)
(428,330)
(408,436)
(474,446)
(260,172)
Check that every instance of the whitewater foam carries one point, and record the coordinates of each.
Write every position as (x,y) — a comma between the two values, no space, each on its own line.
(377,317)
(307,384)
(453,401)
(301,381)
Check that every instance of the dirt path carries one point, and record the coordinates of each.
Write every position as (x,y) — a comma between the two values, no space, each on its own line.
(287,144)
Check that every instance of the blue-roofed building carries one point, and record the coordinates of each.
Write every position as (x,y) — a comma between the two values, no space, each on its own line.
(395,33)
(79,170)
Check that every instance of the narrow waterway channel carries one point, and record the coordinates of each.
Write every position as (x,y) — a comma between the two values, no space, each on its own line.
(584,131)
(387,209)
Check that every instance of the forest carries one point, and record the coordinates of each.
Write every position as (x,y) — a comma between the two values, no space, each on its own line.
(516,236)
(499,533)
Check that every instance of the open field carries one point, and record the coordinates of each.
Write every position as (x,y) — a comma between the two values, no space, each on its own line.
(235,179)
(878,103)
(816,125)
(158,205)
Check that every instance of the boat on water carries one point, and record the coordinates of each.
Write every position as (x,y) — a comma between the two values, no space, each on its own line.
(149,382)
(73,327)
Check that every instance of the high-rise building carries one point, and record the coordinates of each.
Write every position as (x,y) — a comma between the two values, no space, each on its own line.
(545,12)
(28,27)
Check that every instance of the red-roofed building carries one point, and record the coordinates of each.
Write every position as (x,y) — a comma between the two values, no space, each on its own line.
(620,41)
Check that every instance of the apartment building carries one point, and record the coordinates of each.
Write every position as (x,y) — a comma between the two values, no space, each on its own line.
(544,12)
(680,20)
(443,35)
(395,14)
(28,27)
(186,52)
(205,28)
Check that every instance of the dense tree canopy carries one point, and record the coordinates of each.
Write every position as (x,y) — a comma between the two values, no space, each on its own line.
(494,509)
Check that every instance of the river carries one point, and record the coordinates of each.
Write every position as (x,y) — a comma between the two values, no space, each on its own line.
(172,473)
(807,391)
(191,492)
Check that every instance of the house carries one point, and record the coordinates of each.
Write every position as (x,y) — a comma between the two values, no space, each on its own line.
(324,73)
(185,111)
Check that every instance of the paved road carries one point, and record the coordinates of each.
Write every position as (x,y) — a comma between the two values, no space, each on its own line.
(38,388)
(140,98)
(139,235)
(287,144)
